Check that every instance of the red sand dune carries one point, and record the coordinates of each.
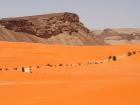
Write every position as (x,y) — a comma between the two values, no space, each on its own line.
(111,83)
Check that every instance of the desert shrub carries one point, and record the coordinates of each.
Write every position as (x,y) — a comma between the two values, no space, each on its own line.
(38,67)
(6,69)
(129,54)
(79,64)
(60,64)
(89,62)
(49,65)
(67,65)
(114,58)
(14,68)
(70,64)
(101,62)
(134,52)
(110,57)
(23,69)
(96,63)
(0,69)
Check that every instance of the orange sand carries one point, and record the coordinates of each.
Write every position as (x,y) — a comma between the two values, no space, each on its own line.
(111,83)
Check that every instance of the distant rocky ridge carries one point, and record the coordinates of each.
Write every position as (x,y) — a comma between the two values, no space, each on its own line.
(118,36)
(58,28)
(62,28)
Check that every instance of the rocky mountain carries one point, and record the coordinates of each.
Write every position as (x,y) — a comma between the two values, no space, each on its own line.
(58,28)
(9,35)
(119,36)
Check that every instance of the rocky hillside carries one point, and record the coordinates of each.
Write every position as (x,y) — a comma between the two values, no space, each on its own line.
(9,35)
(119,36)
(58,28)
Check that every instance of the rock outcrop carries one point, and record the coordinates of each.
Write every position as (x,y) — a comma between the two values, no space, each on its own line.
(119,36)
(58,28)
(9,35)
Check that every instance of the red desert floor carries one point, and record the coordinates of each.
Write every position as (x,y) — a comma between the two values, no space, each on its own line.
(110,83)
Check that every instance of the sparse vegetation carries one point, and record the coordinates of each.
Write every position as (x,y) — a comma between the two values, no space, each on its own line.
(6,69)
(67,65)
(79,64)
(38,67)
(101,62)
(114,58)
(15,68)
(60,64)
(134,52)
(96,63)
(129,54)
(89,62)
(110,57)
(23,69)
(49,65)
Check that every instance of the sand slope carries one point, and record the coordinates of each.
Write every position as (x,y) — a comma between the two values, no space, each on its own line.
(111,83)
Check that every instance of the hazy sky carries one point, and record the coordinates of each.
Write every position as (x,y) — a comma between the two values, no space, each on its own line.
(93,13)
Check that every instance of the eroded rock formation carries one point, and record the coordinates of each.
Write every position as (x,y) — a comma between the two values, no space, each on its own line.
(58,28)
(46,25)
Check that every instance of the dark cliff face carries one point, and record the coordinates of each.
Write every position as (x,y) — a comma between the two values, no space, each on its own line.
(45,26)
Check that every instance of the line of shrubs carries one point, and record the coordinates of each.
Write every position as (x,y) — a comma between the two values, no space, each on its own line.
(29,70)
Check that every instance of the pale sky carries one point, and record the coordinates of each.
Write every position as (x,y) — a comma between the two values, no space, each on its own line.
(93,13)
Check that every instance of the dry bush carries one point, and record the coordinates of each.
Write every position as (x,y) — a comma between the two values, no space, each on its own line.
(15,68)
(134,52)
(6,69)
(23,69)
(96,63)
(38,67)
(60,65)
(129,54)
(49,65)
(114,58)
(101,62)
(89,62)
(67,65)
(110,57)
(79,64)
